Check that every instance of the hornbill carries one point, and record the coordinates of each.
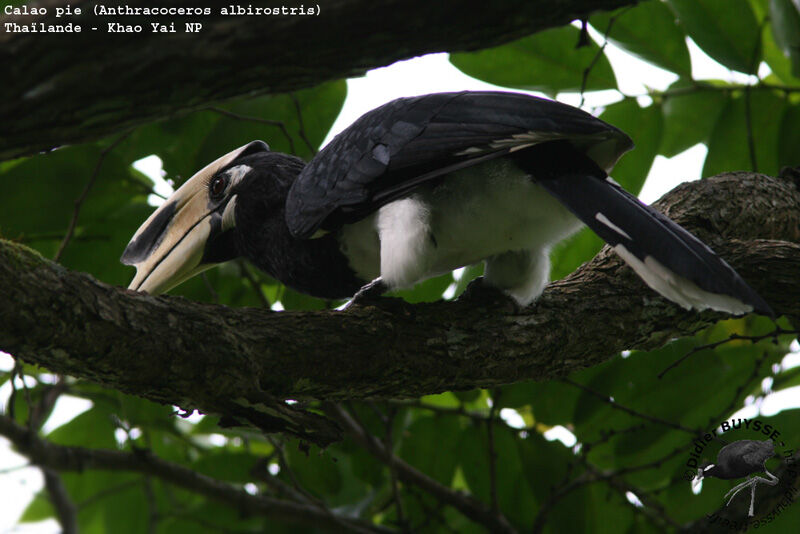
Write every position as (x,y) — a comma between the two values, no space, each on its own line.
(421,186)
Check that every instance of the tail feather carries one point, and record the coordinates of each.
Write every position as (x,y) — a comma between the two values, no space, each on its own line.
(666,256)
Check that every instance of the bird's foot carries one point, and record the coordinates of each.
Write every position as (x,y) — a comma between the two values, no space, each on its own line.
(752,483)
(369,293)
(736,489)
(480,292)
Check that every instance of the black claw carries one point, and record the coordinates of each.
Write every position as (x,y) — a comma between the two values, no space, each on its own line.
(370,293)
(482,293)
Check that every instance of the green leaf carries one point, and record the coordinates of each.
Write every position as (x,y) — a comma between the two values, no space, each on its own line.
(126,511)
(644,126)
(785,21)
(729,146)
(38,509)
(514,493)
(726,30)
(187,144)
(467,396)
(438,462)
(547,61)
(470,273)
(142,411)
(569,254)
(787,379)
(546,465)
(316,469)
(93,428)
(553,402)
(779,64)
(233,466)
(650,32)
(789,137)
(296,301)
(689,116)
(38,204)
(428,291)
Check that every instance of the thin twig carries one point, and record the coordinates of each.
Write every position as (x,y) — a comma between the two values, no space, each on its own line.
(62,458)
(748,113)
(210,288)
(277,124)
(549,504)
(152,505)
(590,476)
(614,404)
(284,465)
(50,394)
(389,445)
(748,119)
(245,272)
(477,416)
(598,54)
(466,504)
(735,399)
(107,492)
(66,512)
(699,86)
(82,197)
(492,453)
(12,398)
(8,470)
(430,511)
(652,507)
(58,236)
(733,337)
(607,435)
(260,471)
(302,131)
(29,403)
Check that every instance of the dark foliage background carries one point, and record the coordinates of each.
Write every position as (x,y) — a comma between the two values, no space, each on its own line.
(634,428)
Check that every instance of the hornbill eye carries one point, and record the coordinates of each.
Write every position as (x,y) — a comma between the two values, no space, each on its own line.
(217,186)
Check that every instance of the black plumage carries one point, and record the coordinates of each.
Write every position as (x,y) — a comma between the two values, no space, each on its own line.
(421,186)
(315,266)
(395,148)
(740,459)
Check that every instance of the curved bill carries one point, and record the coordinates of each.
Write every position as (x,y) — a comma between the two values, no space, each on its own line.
(171,246)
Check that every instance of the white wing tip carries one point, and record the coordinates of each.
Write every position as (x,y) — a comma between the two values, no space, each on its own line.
(678,289)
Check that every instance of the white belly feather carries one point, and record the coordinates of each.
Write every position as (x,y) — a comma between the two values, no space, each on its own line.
(480,213)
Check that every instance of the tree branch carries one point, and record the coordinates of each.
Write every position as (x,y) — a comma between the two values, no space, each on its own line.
(66,512)
(46,102)
(242,362)
(61,458)
(493,520)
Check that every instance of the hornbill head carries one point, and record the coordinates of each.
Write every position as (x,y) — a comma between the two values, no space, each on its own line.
(193,230)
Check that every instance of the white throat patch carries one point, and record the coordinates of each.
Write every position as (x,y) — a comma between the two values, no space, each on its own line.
(235,174)
(228,218)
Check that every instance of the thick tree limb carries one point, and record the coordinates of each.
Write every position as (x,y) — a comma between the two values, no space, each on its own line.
(65,88)
(60,458)
(240,362)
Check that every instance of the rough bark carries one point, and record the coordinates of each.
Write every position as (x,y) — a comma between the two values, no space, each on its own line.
(66,88)
(237,362)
